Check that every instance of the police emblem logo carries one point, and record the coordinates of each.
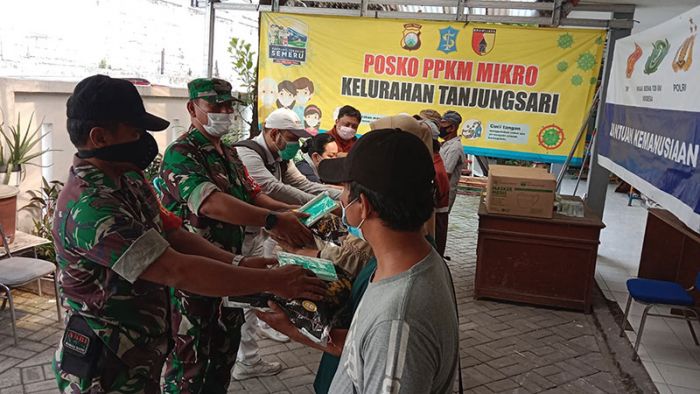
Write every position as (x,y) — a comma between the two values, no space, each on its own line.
(448,40)
(483,41)
(411,36)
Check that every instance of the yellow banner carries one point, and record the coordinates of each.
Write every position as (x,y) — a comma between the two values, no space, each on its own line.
(523,92)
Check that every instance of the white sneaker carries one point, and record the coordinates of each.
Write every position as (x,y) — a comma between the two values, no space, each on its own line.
(270,333)
(261,368)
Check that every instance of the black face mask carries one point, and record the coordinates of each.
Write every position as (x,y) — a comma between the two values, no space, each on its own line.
(139,153)
(443,132)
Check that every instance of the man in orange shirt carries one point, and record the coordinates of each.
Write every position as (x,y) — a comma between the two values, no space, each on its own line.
(345,129)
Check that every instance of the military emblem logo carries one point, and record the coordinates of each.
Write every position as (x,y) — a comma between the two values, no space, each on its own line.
(483,41)
(448,40)
(411,36)
(287,42)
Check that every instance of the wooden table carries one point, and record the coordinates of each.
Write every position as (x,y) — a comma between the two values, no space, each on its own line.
(24,242)
(671,250)
(540,261)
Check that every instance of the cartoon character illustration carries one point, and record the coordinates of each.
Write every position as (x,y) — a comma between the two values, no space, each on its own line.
(471,129)
(305,90)
(267,94)
(286,93)
(312,119)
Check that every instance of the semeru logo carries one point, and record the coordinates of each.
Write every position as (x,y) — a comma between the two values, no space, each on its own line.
(287,42)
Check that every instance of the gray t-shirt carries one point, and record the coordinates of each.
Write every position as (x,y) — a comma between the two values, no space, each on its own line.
(452,153)
(403,337)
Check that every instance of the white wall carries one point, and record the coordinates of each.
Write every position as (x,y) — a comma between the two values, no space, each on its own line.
(645,16)
(650,16)
(47,101)
(71,39)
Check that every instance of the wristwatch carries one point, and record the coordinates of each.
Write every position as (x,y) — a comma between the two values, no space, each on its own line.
(270,221)
(237,259)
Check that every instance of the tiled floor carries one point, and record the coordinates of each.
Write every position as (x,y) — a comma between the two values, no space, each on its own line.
(505,348)
(667,349)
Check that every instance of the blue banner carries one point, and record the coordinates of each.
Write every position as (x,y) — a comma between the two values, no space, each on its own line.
(662,147)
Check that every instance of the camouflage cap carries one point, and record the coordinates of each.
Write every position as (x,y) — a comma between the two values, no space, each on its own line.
(214,90)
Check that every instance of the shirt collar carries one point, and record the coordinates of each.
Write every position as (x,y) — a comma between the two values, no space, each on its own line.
(88,173)
(308,159)
(454,141)
(269,159)
(198,137)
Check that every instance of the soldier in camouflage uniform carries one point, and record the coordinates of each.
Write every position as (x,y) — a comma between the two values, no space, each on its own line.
(205,184)
(118,250)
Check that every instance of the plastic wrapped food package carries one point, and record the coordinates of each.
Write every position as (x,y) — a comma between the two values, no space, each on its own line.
(314,319)
(318,207)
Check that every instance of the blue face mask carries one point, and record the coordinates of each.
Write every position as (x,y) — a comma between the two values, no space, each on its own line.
(355,231)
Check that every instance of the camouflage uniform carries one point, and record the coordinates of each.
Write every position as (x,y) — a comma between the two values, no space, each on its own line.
(207,335)
(106,236)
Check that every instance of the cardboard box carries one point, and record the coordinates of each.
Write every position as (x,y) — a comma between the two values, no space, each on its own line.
(520,191)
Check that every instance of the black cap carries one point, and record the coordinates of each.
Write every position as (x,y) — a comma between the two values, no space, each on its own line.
(100,98)
(391,162)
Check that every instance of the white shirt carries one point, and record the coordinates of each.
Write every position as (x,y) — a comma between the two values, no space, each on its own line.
(294,188)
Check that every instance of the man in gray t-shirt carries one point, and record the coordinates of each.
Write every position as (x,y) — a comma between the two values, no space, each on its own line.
(452,151)
(404,336)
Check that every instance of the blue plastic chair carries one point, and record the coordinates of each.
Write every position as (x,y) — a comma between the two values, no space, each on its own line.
(661,293)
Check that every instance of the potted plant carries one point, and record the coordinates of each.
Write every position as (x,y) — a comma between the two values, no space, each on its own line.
(43,206)
(17,152)
(16,147)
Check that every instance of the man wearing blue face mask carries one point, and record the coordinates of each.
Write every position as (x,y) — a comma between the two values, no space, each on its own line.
(404,335)
(268,160)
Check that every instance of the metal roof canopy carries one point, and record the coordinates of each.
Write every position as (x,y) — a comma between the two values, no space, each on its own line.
(555,12)
(552,13)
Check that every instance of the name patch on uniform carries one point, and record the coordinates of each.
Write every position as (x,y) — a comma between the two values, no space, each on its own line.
(76,342)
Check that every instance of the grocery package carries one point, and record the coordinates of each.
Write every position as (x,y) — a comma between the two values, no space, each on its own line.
(314,319)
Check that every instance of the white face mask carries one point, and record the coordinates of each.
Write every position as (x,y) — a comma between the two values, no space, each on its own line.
(286,99)
(346,133)
(218,124)
(311,121)
(302,99)
(268,99)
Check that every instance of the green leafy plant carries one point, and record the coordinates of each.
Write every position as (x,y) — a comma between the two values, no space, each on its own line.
(42,205)
(19,143)
(153,169)
(244,62)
